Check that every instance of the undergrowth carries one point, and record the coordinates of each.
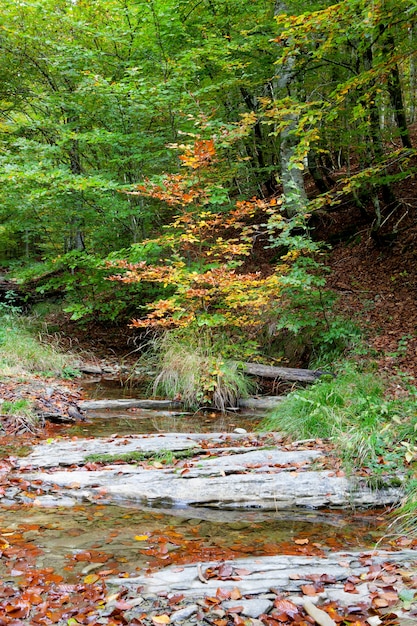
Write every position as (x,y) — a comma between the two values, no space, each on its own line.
(373,432)
(192,369)
(22,348)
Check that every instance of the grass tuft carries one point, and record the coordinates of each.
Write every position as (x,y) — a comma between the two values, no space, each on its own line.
(193,371)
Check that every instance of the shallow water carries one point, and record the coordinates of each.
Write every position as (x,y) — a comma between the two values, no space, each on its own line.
(92,538)
(129,540)
(140,421)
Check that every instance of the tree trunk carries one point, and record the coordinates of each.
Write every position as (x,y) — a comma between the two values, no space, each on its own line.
(294,194)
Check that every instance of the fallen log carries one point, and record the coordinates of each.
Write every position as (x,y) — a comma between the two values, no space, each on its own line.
(260,403)
(284,373)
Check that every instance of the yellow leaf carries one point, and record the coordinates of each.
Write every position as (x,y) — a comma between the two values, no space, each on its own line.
(141,537)
(91,578)
(161,619)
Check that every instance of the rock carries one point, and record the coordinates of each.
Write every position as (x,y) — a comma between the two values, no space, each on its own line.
(268,479)
(209,486)
(184,613)
(86,368)
(263,573)
(344,598)
(250,608)
(53,501)
(93,405)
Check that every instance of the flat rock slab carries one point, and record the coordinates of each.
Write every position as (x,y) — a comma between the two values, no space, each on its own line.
(74,452)
(216,489)
(231,478)
(94,405)
(259,575)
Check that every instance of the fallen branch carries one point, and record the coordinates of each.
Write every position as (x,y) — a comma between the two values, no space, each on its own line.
(285,373)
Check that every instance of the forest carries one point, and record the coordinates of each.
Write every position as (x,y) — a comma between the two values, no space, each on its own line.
(199,192)
(182,171)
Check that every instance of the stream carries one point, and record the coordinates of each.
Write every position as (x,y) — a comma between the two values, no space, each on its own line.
(131,539)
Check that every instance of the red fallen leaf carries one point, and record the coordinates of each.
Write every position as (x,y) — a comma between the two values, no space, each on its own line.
(239,621)
(33,598)
(326,578)
(350,588)
(83,556)
(280,617)
(175,599)
(309,590)
(235,609)
(18,609)
(225,570)
(389,580)
(269,621)
(286,606)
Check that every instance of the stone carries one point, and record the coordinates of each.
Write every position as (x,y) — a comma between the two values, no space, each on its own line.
(250,608)
(184,613)
(264,573)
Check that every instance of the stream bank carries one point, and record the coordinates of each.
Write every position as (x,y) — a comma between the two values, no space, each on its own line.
(239,503)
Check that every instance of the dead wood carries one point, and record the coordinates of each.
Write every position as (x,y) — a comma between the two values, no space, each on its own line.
(284,373)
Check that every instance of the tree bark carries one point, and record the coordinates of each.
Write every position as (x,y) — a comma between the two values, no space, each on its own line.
(294,194)
(284,373)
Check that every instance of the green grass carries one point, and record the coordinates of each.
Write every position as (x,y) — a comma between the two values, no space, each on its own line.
(167,457)
(191,368)
(371,430)
(20,415)
(22,350)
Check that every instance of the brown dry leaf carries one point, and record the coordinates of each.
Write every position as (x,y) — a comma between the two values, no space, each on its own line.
(389,580)
(235,594)
(389,596)
(350,588)
(309,590)
(380,603)
(301,542)
(286,606)
(223,594)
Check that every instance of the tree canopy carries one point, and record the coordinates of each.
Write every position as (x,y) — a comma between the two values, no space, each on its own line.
(185,147)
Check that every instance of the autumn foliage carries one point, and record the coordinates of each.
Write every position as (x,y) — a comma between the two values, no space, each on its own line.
(207,253)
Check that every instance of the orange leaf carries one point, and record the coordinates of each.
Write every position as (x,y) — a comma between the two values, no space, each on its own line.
(161,619)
